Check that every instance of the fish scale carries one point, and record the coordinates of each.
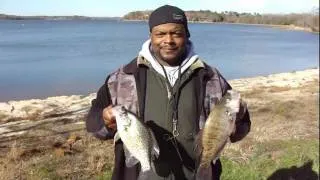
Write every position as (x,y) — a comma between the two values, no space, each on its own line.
(139,142)
(216,132)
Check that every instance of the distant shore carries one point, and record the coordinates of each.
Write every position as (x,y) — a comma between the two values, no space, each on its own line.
(285,27)
(76,17)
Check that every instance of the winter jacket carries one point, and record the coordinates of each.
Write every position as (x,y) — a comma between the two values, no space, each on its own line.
(127,86)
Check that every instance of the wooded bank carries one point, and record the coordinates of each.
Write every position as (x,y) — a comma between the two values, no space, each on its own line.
(305,20)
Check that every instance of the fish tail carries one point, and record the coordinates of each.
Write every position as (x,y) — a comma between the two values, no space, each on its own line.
(204,173)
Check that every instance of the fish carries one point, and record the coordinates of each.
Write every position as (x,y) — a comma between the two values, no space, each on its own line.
(140,144)
(216,132)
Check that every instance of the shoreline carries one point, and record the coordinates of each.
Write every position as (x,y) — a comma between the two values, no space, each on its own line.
(285,27)
(80,96)
(47,138)
(41,108)
(290,27)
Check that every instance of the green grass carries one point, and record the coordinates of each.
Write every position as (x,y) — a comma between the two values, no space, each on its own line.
(106,175)
(46,170)
(287,156)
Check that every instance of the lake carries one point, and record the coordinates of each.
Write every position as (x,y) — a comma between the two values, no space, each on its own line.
(40,58)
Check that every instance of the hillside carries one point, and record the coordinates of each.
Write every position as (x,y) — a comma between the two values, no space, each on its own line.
(306,20)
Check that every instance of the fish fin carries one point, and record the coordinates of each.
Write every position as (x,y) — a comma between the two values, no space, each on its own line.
(219,151)
(153,167)
(198,148)
(231,127)
(130,159)
(204,173)
(198,144)
(145,175)
(116,137)
(155,151)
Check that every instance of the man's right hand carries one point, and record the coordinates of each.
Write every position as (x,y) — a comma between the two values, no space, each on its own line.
(109,118)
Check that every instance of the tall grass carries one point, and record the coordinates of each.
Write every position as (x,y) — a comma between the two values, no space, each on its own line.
(274,159)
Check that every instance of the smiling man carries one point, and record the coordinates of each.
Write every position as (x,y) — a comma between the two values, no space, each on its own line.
(172,90)
(168,42)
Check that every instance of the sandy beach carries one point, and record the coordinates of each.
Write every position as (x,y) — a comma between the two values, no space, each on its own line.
(41,134)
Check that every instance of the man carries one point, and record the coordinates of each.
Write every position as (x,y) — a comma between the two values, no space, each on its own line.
(172,90)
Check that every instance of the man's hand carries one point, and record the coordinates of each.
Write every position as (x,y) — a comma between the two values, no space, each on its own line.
(109,118)
(233,106)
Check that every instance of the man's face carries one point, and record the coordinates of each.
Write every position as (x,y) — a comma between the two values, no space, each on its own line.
(169,42)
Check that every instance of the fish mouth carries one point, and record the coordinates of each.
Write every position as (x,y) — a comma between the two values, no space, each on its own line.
(122,116)
(122,111)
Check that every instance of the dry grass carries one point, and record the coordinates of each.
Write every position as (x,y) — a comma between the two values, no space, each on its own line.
(285,130)
(278,89)
(85,158)
(283,119)
(2,116)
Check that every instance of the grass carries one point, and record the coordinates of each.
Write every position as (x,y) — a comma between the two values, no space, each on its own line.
(104,176)
(270,159)
(2,116)
(46,170)
(279,89)
(283,143)
(284,138)
(89,158)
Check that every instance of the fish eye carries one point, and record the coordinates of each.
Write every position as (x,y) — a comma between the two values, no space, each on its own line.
(227,113)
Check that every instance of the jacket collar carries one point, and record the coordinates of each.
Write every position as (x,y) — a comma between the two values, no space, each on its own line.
(140,61)
(133,66)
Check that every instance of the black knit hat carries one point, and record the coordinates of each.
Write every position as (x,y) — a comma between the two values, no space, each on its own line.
(168,14)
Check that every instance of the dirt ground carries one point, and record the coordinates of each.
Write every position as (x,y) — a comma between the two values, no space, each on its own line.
(46,139)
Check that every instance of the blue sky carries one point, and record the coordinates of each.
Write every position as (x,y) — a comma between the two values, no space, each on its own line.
(121,7)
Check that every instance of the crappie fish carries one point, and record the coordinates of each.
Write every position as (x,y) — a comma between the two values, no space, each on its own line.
(216,132)
(139,142)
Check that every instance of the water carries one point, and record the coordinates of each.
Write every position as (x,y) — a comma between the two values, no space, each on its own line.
(50,58)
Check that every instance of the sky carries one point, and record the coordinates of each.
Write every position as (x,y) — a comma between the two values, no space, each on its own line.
(118,8)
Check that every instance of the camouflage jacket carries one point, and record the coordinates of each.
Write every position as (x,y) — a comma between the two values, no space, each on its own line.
(126,86)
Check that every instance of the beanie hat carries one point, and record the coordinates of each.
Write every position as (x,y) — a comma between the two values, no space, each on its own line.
(168,14)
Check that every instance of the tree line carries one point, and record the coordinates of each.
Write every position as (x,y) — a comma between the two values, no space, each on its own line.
(305,20)
(75,17)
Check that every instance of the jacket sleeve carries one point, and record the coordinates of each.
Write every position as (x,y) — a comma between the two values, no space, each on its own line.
(243,123)
(94,121)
